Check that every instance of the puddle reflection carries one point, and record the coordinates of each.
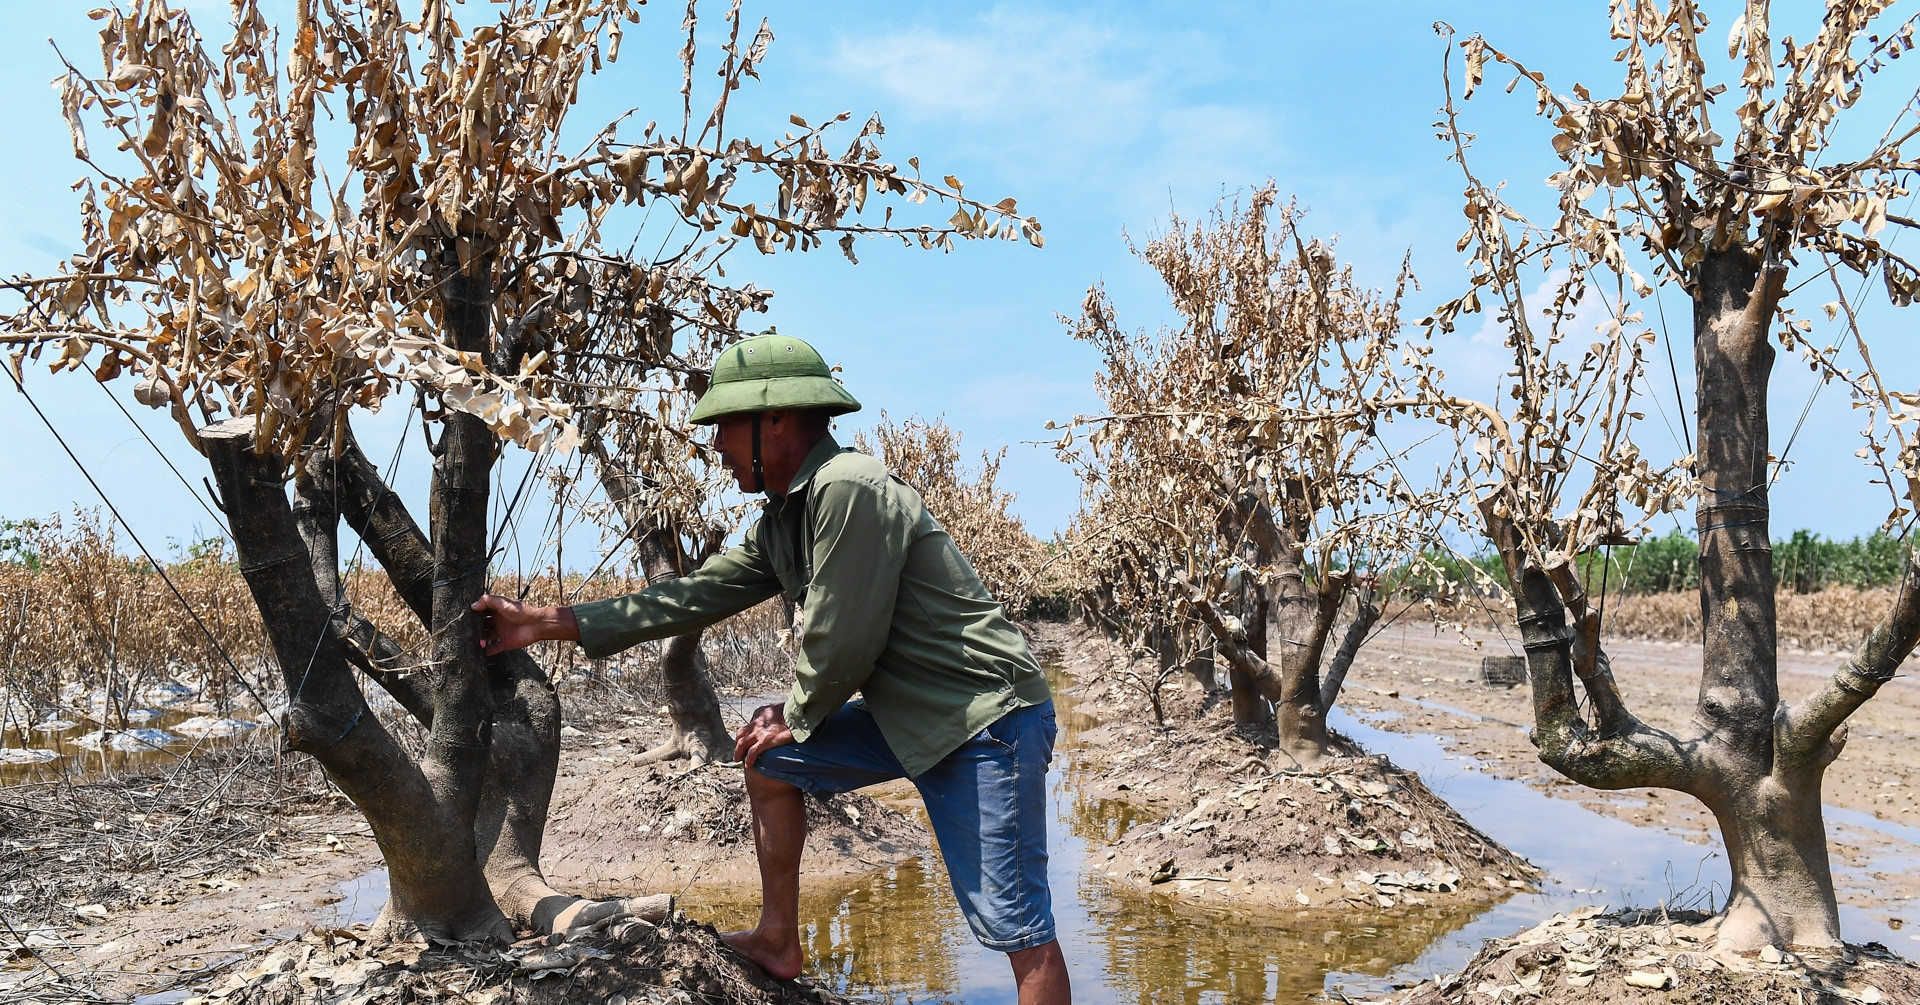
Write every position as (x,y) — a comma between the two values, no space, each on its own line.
(899,935)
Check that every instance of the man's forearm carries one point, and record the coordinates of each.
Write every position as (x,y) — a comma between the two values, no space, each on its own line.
(559,623)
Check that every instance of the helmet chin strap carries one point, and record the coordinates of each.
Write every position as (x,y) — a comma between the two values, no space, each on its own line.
(759,473)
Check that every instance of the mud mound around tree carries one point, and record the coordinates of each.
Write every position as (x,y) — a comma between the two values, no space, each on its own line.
(618,827)
(1643,957)
(1206,811)
(629,963)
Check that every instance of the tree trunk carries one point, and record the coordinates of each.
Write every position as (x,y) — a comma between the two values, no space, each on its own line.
(421,816)
(693,706)
(1755,763)
(1250,707)
(1305,616)
(524,756)
(1776,841)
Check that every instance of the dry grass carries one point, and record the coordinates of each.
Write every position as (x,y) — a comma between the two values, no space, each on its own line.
(1836,618)
(84,618)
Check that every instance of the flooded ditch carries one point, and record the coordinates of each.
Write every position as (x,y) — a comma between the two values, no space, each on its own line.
(81,738)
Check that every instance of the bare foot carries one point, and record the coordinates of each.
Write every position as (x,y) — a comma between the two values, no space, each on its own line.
(778,956)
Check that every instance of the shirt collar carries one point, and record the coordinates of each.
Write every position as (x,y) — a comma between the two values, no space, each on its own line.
(819,455)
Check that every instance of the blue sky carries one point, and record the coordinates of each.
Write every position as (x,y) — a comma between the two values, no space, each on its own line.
(1099,118)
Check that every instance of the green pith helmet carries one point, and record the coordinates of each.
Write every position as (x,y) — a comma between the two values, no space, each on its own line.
(769,373)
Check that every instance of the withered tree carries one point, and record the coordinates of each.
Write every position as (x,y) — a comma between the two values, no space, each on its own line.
(970,507)
(1648,182)
(1238,493)
(263,277)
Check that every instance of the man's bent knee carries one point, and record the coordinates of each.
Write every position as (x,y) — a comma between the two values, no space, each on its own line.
(761,786)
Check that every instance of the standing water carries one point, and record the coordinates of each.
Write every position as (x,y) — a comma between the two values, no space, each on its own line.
(899,933)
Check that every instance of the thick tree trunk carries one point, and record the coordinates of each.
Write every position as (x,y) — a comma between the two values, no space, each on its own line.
(693,706)
(524,756)
(1305,616)
(1776,841)
(420,818)
(1754,762)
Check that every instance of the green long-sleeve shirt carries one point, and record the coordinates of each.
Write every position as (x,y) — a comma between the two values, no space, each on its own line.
(893,610)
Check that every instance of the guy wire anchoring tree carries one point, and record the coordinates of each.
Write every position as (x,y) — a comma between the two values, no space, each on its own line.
(1238,475)
(1723,219)
(437,247)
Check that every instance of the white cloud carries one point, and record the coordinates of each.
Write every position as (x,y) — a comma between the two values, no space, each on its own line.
(1084,96)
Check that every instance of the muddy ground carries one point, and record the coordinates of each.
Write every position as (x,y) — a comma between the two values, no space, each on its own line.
(1216,816)
(168,876)
(1412,679)
(228,878)
(1647,957)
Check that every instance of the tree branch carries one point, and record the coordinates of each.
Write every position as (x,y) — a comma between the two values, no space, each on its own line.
(1633,755)
(1812,733)
(1364,617)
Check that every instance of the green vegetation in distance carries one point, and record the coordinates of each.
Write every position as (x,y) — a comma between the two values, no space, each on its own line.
(1803,563)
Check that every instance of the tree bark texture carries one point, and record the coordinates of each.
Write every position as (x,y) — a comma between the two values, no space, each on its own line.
(1294,688)
(1755,762)
(461,827)
(524,755)
(1250,707)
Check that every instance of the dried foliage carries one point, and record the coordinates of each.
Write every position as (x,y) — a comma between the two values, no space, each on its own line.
(1240,453)
(674,962)
(81,621)
(1586,957)
(1834,619)
(972,510)
(83,614)
(243,271)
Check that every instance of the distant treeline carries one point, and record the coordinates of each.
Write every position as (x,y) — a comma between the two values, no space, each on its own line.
(1803,563)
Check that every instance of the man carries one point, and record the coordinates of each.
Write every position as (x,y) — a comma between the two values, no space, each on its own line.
(951,696)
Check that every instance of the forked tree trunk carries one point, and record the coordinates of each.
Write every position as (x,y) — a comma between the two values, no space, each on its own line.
(460,828)
(1755,763)
(1304,616)
(422,814)
(524,756)
(693,706)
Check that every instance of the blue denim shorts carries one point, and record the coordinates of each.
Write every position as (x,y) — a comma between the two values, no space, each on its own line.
(987,802)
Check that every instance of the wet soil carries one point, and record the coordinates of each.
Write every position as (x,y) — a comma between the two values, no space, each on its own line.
(1415,681)
(1207,812)
(617,829)
(177,871)
(1646,957)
